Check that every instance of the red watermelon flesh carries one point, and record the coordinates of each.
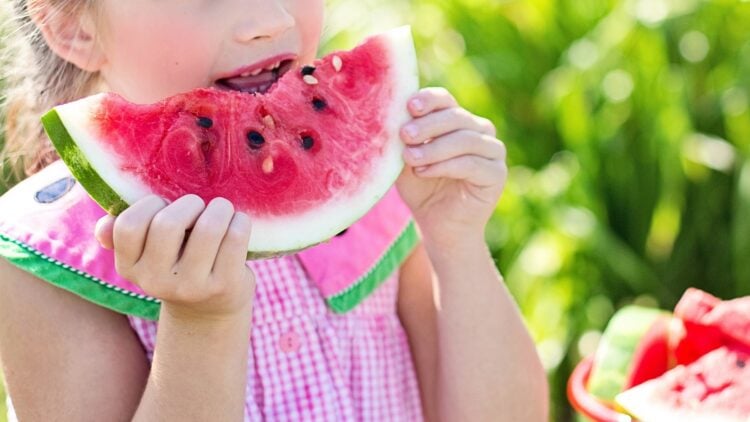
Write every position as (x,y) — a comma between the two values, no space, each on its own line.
(304,160)
(710,323)
(715,388)
(651,357)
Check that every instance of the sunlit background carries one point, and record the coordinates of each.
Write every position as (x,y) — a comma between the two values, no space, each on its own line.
(628,130)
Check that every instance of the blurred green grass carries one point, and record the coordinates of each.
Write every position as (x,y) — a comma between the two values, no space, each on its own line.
(628,129)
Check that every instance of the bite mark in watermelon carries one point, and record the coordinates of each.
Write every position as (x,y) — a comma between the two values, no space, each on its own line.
(305,160)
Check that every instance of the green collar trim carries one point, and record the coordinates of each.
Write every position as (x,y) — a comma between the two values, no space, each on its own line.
(82,284)
(391,259)
(120,300)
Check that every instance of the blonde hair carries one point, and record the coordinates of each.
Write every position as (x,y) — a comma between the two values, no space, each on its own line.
(35,79)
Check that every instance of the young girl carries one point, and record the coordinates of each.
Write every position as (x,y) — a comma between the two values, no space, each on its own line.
(438,338)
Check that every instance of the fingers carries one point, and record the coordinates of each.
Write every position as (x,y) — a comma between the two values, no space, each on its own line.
(430,99)
(103,232)
(455,144)
(443,122)
(206,237)
(473,169)
(233,249)
(166,233)
(130,230)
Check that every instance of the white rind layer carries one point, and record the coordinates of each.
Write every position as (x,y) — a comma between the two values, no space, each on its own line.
(77,117)
(280,233)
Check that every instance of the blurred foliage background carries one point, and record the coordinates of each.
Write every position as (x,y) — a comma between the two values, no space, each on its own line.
(628,130)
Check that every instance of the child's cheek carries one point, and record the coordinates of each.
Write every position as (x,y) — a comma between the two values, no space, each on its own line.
(309,15)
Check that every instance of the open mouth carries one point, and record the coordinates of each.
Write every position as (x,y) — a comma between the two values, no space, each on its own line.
(258,80)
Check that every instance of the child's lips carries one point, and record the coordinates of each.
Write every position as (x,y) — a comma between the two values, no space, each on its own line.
(252,84)
(258,81)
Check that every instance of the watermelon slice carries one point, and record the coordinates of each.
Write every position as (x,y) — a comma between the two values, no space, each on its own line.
(714,388)
(305,159)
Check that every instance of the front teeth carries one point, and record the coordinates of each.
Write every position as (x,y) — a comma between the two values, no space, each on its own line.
(274,66)
(257,72)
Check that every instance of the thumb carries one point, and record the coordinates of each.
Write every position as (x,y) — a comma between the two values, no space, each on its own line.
(103,231)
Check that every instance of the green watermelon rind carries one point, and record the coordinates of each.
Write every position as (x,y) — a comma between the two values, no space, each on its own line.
(618,344)
(79,166)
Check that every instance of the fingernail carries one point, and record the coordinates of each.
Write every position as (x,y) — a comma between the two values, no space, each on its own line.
(416,153)
(417,104)
(420,169)
(411,131)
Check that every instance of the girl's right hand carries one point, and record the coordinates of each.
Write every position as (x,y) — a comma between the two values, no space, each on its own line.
(197,276)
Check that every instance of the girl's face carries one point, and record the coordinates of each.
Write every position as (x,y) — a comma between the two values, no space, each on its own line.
(156,48)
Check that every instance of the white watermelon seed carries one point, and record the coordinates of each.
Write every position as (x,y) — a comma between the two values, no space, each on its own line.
(268,165)
(269,122)
(337,63)
(310,80)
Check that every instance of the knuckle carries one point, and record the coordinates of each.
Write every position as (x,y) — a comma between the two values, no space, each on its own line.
(153,199)
(441,92)
(236,234)
(474,162)
(125,271)
(125,226)
(146,281)
(164,222)
(500,145)
(461,113)
(204,227)
(188,290)
(489,126)
(217,288)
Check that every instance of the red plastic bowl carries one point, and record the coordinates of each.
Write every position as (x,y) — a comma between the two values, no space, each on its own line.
(586,404)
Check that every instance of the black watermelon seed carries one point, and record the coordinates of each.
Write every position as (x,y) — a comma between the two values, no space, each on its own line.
(308,70)
(740,363)
(307,142)
(319,104)
(205,122)
(256,139)
(343,232)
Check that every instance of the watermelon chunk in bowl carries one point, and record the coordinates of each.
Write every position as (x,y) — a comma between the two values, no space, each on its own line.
(714,388)
(304,160)
(689,367)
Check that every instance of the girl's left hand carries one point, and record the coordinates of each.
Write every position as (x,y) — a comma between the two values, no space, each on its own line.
(455,168)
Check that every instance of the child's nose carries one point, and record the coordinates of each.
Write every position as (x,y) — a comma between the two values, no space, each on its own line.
(267,20)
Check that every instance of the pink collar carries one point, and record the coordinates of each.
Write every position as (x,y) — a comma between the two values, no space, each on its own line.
(47,225)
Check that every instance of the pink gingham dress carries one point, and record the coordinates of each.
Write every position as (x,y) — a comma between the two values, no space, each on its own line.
(309,364)
(323,348)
